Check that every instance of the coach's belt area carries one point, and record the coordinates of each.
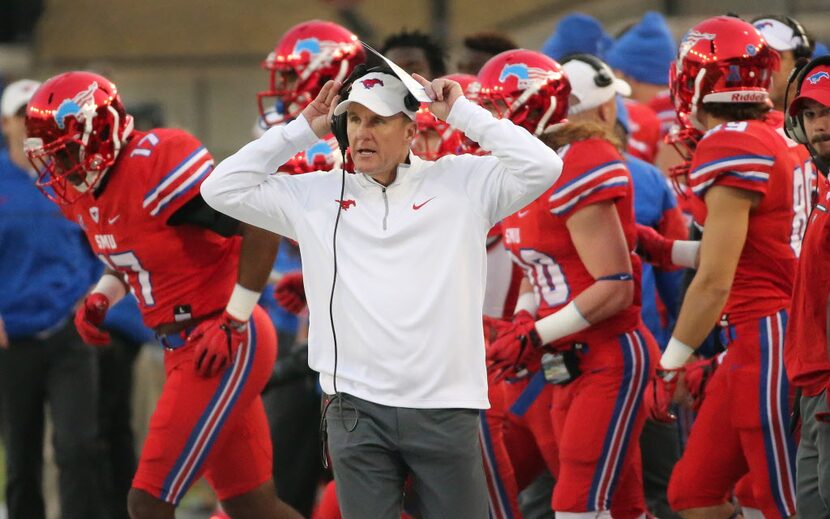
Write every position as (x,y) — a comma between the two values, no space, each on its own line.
(176,340)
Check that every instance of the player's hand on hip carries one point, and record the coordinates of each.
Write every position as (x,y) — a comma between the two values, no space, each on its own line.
(88,319)
(660,395)
(215,341)
(516,346)
(319,112)
(290,292)
(443,92)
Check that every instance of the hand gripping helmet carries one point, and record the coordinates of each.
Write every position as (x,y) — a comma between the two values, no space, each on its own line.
(721,60)
(307,56)
(76,125)
(525,86)
(435,137)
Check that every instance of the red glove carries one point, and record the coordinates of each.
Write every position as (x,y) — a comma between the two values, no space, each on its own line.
(88,318)
(515,347)
(698,374)
(660,395)
(655,248)
(216,340)
(290,292)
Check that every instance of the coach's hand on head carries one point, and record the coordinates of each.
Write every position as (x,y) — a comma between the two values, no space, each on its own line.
(443,93)
(319,112)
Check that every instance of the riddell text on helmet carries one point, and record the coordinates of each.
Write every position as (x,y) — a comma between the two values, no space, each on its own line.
(751,97)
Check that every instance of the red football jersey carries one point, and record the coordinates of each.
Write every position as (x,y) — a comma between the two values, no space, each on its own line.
(540,243)
(806,353)
(645,131)
(175,272)
(664,108)
(755,156)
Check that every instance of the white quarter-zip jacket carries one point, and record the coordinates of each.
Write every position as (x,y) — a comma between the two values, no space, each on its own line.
(411,257)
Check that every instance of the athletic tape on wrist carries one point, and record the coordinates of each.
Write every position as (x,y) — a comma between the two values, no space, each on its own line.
(684,253)
(112,287)
(527,302)
(565,322)
(676,354)
(242,302)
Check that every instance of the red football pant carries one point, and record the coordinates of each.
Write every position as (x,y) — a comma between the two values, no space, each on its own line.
(213,426)
(597,420)
(529,436)
(742,427)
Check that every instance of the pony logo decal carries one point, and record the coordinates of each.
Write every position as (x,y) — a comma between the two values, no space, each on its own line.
(689,41)
(818,76)
(320,52)
(525,76)
(321,150)
(80,107)
(370,83)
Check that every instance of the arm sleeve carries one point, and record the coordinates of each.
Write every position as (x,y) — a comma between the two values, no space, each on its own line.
(197,212)
(519,169)
(244,187)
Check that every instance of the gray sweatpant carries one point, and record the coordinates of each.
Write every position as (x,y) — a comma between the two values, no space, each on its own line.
(813,461)
(375,447)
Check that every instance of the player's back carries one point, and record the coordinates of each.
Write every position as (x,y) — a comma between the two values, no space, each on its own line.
(540,242)
(176,272)
(754,156)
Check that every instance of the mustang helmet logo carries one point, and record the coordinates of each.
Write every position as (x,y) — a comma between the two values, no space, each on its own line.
(80,107)
(689,41)
(525,76)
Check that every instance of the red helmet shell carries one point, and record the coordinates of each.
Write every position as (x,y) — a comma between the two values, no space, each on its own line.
(76,125)
(307,56)
(721,60)
(525,86)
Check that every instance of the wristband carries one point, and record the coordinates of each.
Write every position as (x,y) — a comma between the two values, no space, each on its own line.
(565,322)
(684,253)
(241,303)
(112,287)
(526,302)
(676,354)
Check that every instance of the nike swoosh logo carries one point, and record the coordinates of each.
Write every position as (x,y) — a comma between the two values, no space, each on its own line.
(417,206)
(113,219)
(522,214)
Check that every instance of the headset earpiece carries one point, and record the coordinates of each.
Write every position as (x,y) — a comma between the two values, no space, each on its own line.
(601,77)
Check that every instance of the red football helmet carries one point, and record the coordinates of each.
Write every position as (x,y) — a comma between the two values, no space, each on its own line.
(307,56)
(76,125)
(435,137)
(525,86)
(721,60)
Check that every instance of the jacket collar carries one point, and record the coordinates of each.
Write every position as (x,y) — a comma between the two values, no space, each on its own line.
(406,171)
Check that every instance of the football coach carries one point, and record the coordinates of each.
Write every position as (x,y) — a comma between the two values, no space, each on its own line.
(394,261)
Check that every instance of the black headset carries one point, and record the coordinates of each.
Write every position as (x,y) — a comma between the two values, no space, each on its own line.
(338,122)
(803,50)
(602,78)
